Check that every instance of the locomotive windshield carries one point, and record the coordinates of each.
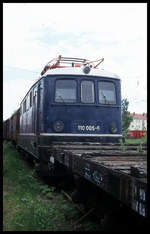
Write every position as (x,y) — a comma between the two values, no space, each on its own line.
(87,91)
(65,91)
(106,92)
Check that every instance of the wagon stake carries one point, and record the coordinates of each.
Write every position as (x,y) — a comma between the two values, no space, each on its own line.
(70,199)
(82,217)
(66,194)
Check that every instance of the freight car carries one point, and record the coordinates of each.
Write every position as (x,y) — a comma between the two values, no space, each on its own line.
(6,129)
(11,127)
(70,122)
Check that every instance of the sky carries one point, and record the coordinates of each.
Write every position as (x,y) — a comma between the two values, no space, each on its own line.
(35,33)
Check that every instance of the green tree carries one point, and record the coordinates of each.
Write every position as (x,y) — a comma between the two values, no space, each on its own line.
(126,118)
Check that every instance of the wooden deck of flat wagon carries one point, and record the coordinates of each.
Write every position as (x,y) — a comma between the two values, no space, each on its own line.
(119,170)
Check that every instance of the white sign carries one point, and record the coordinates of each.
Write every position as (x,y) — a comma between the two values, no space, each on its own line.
(88,127)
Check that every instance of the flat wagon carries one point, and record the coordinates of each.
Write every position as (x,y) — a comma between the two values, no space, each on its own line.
(122,174)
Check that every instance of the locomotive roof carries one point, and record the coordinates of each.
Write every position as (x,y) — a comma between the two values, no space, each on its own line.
(79,71)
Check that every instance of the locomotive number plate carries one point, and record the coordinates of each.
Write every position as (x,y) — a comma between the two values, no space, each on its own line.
(88,128)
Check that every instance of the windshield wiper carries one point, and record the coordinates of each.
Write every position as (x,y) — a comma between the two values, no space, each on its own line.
(62,99)
(104,97)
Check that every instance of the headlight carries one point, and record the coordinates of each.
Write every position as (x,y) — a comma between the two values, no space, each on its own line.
(113,128)
(86,69)
(58,126)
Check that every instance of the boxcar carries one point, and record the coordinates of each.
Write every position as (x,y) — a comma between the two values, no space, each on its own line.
(11,127)
(15,126)
(6,129)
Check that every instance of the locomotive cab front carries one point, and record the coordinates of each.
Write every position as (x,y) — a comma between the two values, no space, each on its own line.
(81,107)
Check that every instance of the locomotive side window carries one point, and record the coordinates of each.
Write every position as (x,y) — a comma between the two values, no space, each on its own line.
(21,109)
(27,103)
(66,91)
(30,98)
(34,96)
(24,106)
(87,91)
(106,91)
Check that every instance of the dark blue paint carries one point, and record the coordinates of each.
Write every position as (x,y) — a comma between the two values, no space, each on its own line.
(44,112)
(85,114)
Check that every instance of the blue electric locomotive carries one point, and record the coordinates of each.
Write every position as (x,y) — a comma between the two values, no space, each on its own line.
(71,103)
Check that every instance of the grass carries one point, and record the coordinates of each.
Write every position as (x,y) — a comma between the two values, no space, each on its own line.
(133,141)
(29,205)
(140,140)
